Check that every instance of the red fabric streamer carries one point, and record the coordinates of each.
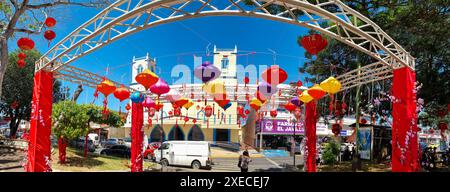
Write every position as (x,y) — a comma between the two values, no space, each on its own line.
(40,123)
(62,145)
(310,123)
(404,122)
(137,137)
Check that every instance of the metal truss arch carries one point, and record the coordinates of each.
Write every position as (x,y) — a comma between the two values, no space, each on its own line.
(125,17)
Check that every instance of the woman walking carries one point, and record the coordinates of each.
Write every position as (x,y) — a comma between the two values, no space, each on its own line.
(244,161)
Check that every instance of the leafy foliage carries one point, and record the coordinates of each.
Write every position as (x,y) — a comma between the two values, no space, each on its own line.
(71,120)
(330,153)
(18,88)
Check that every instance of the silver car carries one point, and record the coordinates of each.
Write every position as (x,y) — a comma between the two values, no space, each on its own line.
(110,142)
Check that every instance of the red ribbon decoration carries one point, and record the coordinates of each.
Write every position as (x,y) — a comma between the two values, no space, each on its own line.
(310,124)
(404,120)
(137,136)
(40,123)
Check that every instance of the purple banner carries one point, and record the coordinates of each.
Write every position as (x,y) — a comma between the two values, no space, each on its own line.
(280,126)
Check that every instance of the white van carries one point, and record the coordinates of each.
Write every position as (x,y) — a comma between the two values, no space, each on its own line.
(94,138)
(195,154)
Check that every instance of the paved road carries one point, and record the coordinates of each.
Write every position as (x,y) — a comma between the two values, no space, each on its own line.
(264,164)
(10,160)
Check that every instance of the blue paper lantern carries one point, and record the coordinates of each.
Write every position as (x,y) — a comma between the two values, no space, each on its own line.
(137,97)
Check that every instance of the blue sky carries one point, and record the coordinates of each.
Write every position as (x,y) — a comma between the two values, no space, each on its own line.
(176,43)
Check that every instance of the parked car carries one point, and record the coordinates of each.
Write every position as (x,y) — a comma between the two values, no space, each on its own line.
(118,151)
(79,143)
(149,153)
(195,154)
(127,142)
(110,142)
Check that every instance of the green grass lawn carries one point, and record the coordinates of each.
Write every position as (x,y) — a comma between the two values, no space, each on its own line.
(347,167)
(75,162)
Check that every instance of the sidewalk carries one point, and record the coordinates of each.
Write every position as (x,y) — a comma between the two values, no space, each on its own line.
(217,152)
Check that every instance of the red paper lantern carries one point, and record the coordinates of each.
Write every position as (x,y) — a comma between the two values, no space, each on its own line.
(121,93)
(442,126)
(14,105)
(21,63)
(274,72)
(22,55)
(177,111)
(246,80)
(158,106)
(247,96)
(240,110)
(194,121)
(186,119)
(128,107)
(49,35)
(208,111)
(431,131)
(247,111)
(363,121)
(299,83)
(336,129)
(151,112)
(442,113)
(50,22)
(314,43)
(25,43)
(273,113)
(290,107)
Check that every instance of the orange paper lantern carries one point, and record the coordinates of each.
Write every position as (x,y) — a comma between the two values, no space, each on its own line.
(146,78)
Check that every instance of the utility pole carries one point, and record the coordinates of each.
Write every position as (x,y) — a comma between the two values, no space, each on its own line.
(162,137)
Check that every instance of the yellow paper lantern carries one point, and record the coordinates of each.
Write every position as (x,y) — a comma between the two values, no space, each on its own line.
(214,87)
(188,104)
(255,104)
(331,85)
(305,97)
(316,91)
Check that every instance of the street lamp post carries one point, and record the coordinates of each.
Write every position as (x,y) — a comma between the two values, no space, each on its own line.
(295,122)
(162,137)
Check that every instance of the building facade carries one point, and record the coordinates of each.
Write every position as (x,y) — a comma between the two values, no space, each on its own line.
(222,126)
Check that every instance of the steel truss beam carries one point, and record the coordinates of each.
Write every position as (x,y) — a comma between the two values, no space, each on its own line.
(125,17)
(83,77)
(367,74)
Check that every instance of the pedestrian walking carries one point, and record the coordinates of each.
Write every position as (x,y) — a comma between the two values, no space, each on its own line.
(244,161)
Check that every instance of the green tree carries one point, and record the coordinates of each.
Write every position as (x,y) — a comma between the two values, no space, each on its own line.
(18,89)
(421,27)
(72,120)
(26,17)
(331,153)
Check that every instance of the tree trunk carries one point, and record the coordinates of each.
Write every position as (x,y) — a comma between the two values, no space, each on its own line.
(86,145)
(12,127)
(3,60)
(77,93)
